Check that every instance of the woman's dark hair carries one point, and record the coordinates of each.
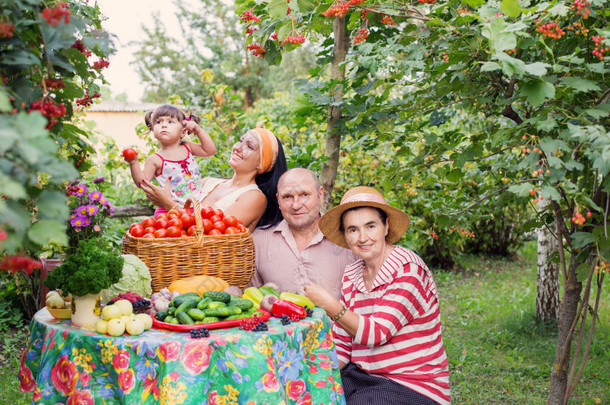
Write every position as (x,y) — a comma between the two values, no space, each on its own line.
(382,215)
(167,110)
(267,183)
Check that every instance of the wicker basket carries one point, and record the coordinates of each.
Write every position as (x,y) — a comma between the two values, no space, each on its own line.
(230,257)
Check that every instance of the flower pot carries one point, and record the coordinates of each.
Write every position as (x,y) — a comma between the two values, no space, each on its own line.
(86,310)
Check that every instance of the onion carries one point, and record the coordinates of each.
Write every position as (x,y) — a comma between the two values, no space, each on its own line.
(174,294)
(155,296)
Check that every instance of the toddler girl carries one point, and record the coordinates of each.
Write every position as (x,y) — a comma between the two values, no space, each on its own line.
(174,161)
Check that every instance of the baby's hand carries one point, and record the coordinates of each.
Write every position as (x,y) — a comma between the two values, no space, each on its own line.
(190,125)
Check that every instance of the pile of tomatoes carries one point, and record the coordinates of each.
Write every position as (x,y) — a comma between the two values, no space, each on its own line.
(180,223)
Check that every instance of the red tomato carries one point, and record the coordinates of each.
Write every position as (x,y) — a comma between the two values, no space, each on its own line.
(161,216)
(191,230)
(150,229)
(241,227)
(129,153)
(137,231)
(188,220)
(219,212)
(150,221)
(207,225)
(135,224)
(162,223)
(149,236)
(220,226)
(182,211)
(230,221)
(176,222)
(231,230)
(173,214)
(215,232)
(174,232)
(183,232)
(207,212)
(215,218)
(161,233)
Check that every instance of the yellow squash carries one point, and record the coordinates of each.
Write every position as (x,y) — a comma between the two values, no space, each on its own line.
(198,284)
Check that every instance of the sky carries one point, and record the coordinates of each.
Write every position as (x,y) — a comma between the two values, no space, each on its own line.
(125,19)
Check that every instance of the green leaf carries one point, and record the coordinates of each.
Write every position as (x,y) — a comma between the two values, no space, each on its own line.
(510,66)
(455,175)
(596,113)
(537,91)
(550,193)
(5,103)
(490,67)
(52,205)
(546,125)
(277,10)
(521,190)
(12,189)
(45,232)
(511,8)
(504,41)
(537,68)
(550,145)
(582,272)
(581,239)
(579,84)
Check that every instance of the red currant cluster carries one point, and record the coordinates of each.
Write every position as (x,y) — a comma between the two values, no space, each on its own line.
(511,51)
(248,16)
(533,194)
(599,50)
(274,36)
(581,5)
(427,1)
(551,30)
(54,15)
(462,231)
(249,323)
(299,39)
(363,13)
(54,84)
(250,30)
(87,100)
(578,28)
(434,235)
(257,50)
(19,263)
(445,56)
(100,64)
(6,30)
(78,45)
(579,219)
(387,20)
(603,267)
(50,110)
(363,34)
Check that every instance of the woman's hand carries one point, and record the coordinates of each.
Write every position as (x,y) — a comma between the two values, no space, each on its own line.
(321,297)
(160,196)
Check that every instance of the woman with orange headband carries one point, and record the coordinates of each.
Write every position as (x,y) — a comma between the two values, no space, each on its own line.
(258,161)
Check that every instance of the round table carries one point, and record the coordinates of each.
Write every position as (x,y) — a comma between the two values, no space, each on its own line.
(288,364)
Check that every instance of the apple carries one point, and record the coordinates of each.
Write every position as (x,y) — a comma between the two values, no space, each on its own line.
(126,307)
(146,320)
(101,326)
(111,312)
(55,301)
(115,327)
(134,326)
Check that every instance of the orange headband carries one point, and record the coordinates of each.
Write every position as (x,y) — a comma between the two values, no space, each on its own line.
(268,148)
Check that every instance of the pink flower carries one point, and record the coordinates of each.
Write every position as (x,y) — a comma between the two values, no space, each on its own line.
(196,356)
(126,381)
(295,389)
(212,397)
(80,398)
(169,351)
(305,400)
(84,378)
(120,361)
(270,383)
(37,394)
(64,375)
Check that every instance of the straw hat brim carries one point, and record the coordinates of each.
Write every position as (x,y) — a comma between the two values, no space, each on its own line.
(330,222)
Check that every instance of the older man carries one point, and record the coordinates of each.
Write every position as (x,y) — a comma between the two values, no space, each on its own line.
(295,253)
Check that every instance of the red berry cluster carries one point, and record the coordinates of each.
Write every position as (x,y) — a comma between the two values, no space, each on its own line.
(78,45)
(250,30)
(533,194)
(19,263)
(249,323)
(603,267)
(551,30)
(6,30)
(599,50)
(511,51)
(257,50)
(299,39)
(274,36)
(100,64)
(581,5)
(434,235)
(387,20)
(445,56)
(427,1)
(54,15)
(248,16)
(462,231)
(339,9)
(54,84)
(364,12)
(363,34)
(578,28)
(49,109)
(87,100)
(579,219)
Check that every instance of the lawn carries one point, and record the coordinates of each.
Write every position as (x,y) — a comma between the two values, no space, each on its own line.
(498,352)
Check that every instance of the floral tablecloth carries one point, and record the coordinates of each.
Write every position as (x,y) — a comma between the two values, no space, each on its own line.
(292,364)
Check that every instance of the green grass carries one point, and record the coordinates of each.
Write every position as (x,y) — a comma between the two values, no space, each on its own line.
(498,353)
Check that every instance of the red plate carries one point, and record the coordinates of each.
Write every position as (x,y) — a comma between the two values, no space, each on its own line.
(214,325)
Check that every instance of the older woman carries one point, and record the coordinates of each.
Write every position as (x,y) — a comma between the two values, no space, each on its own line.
(387,325)
(258,161)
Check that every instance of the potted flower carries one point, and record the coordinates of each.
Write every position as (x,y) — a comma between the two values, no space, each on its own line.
(84,273)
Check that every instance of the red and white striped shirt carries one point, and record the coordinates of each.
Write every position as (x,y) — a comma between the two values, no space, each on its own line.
(399,330)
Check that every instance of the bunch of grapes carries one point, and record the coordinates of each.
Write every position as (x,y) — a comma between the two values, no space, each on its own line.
(308,311)
(202,332)
(285,320)
(261,327)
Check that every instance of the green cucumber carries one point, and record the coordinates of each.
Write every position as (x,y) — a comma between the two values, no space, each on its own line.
(222,311)
(196,314)
(209,319)
(187,304)
(203,303)
(242,303)
(184,319)
(216,304)
(177,301)
(218,296)
(161,315)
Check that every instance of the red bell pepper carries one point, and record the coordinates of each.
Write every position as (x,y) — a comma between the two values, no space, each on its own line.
(283,307)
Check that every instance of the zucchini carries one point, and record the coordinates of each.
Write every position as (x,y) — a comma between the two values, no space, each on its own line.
(218,296)
(242,303)
(195,314)
(184,319)
(222,311)
(177,301)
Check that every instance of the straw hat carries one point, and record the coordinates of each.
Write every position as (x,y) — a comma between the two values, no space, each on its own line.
(363,196)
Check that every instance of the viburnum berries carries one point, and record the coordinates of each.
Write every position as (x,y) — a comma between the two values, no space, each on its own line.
(6,30)
(100,64)
(581,5)
(81,48)
(54,84)
(248,16)
(599,50)
(87,100)
(363,33)
(54,15)
(387,20)
(257,50)
(339,9)
(551,30)
(49,109)
(299,39)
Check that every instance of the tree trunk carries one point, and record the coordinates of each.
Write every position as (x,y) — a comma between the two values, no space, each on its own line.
(328,174)
(126,211)
(547,284)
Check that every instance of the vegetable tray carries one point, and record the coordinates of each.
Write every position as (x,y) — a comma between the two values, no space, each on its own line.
(264,315)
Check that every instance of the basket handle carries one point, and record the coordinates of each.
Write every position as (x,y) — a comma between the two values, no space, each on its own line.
(199,232)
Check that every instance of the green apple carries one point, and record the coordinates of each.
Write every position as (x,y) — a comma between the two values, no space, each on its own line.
(111,312)
(134,326)
(126,307)
(146,320)
(101,326)
(115,327)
